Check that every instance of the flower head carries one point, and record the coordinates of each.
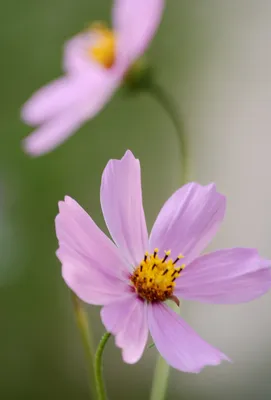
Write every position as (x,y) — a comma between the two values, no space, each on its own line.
(95,63)
(132,278)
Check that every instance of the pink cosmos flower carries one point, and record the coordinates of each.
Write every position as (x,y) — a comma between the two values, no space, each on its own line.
(95,63)
(132,278)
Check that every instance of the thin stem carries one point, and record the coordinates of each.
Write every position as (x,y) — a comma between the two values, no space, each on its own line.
(87,341)
(168,105)
(162,369)
(160,379)
(99,367)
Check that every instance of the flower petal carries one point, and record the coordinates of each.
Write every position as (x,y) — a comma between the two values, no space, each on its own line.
(121,200)
(53,133)
(188,221)
(180,346)
(76,59)
(52,99)
(225,276)
(136,23)
(65,104)
(80,239)
(90,95)
(90,285)
(127,320)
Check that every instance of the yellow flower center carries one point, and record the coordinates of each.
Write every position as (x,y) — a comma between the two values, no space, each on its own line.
(104,50)
(154,278)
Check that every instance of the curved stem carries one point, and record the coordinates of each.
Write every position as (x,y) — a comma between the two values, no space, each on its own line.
(99,367)
(85,333)
(168,105)
(162,369)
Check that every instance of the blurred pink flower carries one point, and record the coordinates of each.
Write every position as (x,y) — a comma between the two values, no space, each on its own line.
(131,279)
(95,63)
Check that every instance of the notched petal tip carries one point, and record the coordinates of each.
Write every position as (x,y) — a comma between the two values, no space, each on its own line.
(214,364)
(211,186)
(181,347)
(222,358)
(61,205)
(128,159)
(213,189)
(121,201)
(70,201)
(228,276)
(129,154)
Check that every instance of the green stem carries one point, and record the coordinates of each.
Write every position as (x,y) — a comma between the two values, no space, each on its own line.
(168,105)
(99,367)
(162,369)
(87,341)
(160,379)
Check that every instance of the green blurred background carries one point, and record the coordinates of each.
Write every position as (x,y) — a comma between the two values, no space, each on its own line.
(214,56)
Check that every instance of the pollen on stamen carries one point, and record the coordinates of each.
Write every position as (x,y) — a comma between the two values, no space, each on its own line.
(154,278)
(179,269)
(178,258)
(104,49)
(167,254)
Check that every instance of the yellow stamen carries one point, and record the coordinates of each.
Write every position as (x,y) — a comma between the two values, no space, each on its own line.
(103,51)
(154,278)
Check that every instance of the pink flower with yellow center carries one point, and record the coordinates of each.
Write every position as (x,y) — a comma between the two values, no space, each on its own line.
(134,277)
(95,63)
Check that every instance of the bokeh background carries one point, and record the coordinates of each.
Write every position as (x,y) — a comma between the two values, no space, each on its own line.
(214,57)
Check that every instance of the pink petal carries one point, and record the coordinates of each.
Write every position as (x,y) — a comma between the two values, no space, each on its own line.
(127,320)
(136,23)
(225,276)
(91,285)
(80,238)
(78,62)
(90,95)
(53,133)
(52,99)
(121,201)
(76,59)
(188,221)
(180,346)
(65,104)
